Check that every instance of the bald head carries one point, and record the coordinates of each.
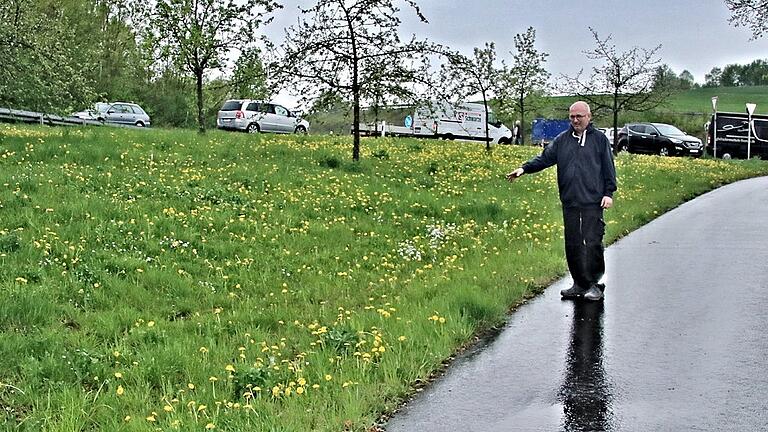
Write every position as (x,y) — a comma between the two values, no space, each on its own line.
(580,116)
(581,105)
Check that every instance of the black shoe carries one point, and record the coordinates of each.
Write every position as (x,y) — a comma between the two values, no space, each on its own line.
(594,293)
(574,291)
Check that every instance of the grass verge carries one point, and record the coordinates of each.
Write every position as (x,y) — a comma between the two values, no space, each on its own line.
(163,280)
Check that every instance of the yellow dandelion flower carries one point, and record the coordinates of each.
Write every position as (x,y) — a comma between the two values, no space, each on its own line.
(191,386)
(275,391)
(127,419)
(120,390)
(315,386)
(299,390)
(230,368)
(118,375)
(151,324)
(167,408)
(210,426)
(213,379)
(202,407)
(401,338)
(328,377)
(151,419)
(302,382)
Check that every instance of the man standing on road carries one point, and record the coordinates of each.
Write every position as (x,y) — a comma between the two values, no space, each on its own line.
(586,179)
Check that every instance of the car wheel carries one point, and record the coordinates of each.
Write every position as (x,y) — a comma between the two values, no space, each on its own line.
(139,124)
(664,151)
(623,147)
(727,156)
(301,130)
(253,128)
(448,137)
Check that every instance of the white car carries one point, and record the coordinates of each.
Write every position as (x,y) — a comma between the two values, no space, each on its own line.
(254,116)
(608,132)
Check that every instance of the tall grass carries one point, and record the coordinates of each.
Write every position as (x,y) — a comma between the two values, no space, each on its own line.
(162,280)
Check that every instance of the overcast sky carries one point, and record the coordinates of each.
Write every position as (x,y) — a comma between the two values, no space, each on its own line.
(695,34)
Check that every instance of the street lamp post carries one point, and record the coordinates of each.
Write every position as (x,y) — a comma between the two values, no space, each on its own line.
(750,111)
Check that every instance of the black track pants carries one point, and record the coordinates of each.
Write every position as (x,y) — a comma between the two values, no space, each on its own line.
(584,230)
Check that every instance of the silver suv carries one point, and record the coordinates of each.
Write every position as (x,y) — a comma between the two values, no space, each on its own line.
(255,116)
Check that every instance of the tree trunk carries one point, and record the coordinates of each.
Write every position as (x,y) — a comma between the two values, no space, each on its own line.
(356,119)
(200,116)
(616,122)
(355,91)
(522,122)
(487,135)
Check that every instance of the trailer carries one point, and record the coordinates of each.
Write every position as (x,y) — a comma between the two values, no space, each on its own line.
(731,136)
(466,121)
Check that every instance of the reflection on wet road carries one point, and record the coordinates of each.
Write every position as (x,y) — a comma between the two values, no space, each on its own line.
(680,342)
(585,392)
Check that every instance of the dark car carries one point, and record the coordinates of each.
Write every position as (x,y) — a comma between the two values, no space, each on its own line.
(657,138)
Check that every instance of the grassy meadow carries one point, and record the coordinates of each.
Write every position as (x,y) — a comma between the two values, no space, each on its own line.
(158,280)
(729,99)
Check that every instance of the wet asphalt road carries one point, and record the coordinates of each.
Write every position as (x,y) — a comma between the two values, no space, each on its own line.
(680,342)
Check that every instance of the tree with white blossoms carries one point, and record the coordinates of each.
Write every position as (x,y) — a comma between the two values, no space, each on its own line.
(463,77)
(351,48)
(751,13)
(622,81)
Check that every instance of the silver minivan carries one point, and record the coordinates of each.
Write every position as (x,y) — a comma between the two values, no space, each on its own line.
(255,116)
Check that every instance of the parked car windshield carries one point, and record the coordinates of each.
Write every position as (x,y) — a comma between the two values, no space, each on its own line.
(666,129)
(101,107)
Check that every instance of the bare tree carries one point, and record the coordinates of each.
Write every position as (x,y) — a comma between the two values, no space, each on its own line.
(520,84)
(351,48)
(752,13)
(625,81)
(199,35)
(463,77)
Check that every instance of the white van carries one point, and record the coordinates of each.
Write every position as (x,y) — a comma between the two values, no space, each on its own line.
(466,121)
(255,116)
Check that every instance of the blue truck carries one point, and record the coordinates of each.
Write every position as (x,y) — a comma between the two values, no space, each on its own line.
(545,130)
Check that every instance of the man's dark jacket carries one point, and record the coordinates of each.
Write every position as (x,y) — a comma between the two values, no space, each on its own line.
(585,173)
